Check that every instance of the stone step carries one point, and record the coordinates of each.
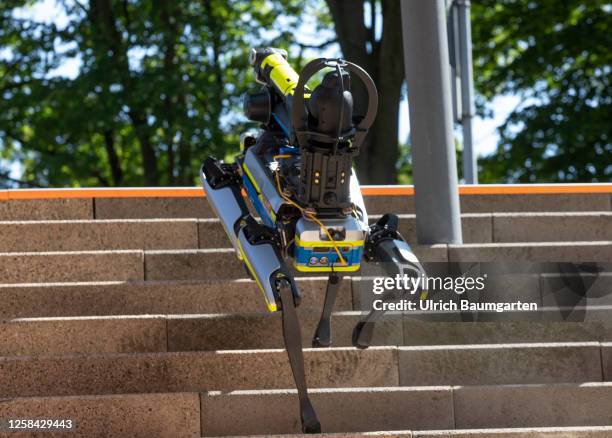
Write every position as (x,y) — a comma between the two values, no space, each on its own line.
(197,207)
(525,432)
(410,408)
(504,364)
(535,202)
(193,371)
(522,227)
(596,327)
(92,235)
(178,414)
(170,415)
(244,331)
(533,405)
(158,333)
(153,297)
(98,374)
(55,267)
(236,331)
(126,265)
(243,296)
(46,209)
(207,264)
(542,252)
(133,415)
(551,227)
(152,208)
(40,336)
(121,208)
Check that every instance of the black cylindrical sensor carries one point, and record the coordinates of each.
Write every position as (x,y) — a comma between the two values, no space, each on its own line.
(257,105)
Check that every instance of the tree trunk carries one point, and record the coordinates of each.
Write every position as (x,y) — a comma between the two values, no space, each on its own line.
(186,172)
(103,21)
(113,158)
(169,20)
(383,60)
(149,159)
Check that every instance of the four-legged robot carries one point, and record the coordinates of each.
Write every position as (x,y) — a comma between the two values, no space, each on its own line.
(297,176)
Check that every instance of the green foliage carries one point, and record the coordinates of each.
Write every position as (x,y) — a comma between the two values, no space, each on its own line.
(404,164)
(158,88)
(556,56)
(159,85)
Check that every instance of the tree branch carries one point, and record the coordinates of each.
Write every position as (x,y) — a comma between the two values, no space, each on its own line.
(81,6)
(5,176)
(317,46)
(105,182)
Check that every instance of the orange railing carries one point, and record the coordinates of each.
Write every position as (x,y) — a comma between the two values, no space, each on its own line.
(398,190)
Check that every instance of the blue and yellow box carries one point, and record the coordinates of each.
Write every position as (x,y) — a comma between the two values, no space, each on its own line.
(314,252)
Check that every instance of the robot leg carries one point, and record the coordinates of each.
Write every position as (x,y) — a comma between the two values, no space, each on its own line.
(260,253)
(386,245)
(258,246)
(322,336)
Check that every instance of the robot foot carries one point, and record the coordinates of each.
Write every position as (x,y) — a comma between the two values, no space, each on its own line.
(362,334)
(322,337)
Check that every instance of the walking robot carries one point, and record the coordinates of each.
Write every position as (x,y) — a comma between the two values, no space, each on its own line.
(297,176)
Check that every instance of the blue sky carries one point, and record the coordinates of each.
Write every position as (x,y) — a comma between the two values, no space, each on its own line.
(485,130)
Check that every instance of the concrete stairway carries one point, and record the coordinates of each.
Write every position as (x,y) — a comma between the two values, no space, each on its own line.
(132,317)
